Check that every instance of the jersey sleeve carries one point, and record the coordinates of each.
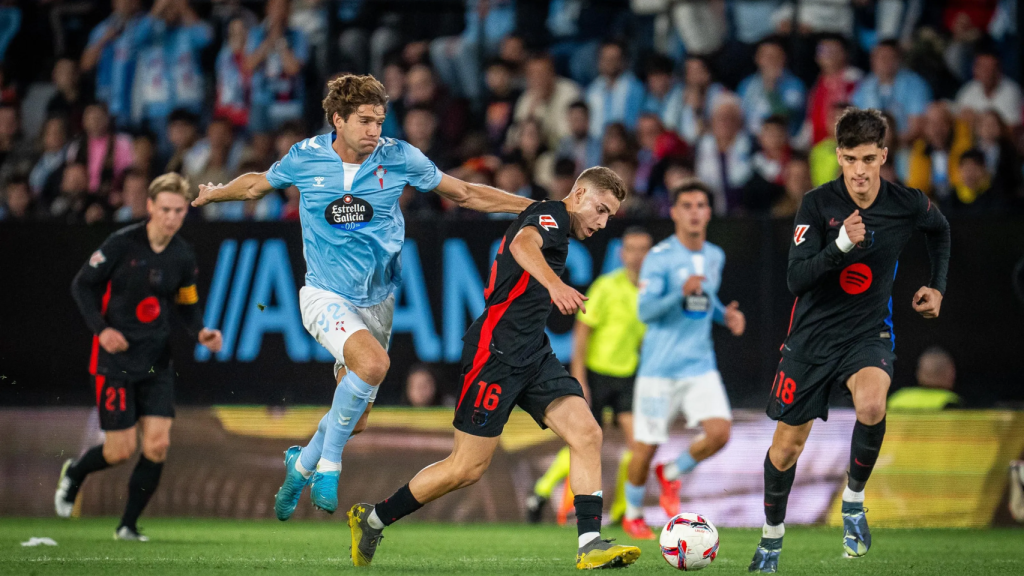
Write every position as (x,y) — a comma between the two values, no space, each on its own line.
(187,296)
(283,173)
(552,223)
(717,308)
(810,256)
(422,174)
(596,297)
(656,297)
(90,283)
(936,229)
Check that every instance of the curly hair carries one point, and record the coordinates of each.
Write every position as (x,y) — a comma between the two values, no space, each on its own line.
(346,93)
(170,182)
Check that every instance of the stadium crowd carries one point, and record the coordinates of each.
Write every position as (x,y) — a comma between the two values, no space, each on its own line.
(96,99)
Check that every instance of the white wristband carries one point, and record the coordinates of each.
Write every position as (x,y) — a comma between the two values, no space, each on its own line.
(843,241)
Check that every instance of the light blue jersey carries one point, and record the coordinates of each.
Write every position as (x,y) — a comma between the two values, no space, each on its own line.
(352,227)
(678,342)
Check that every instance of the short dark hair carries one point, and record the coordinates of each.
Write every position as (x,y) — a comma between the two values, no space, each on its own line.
(890,43)
(181,115)
(659,64)
(605,179)
(973,155)
(636,231)
(581,105)
(564,167)
(776,119)
(694,186)
(856,127)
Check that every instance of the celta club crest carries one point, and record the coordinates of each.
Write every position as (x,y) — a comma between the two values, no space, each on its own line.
(379,173)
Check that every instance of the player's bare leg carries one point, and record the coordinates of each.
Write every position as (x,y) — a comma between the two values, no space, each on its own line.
(470,458)
(118,446)
(618,508)
(779,472)
(714,437)
(570,418)
(869,387)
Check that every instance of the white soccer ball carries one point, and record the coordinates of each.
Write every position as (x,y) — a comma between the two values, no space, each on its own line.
(689,541)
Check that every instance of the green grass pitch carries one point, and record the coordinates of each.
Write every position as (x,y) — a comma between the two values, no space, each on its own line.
(225,547)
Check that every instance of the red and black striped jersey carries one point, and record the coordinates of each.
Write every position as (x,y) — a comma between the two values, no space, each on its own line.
(846,297)
(127,286)
(512,325)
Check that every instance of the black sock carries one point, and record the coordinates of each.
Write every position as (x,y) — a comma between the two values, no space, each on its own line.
(777,485)
(588,513)
(91,461)
(145,478)
(867,441)
(398,506)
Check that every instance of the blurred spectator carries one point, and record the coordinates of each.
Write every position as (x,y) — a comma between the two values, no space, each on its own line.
(421,88)
(768,165)
(259,153)
(974,193)
(393,78)
(67,101)
(991,90)
(661,92)
(773,90)
(8,92)
(107,155)
(293,201)
(182,133)
(993,137)
(894,89)
(110,52)
(634,205)
(275,57)
(499,101)
(966,22)
(797,176)
(514,53)
(53,152)
(367,35)
(10,23)
(751,23)
(563,178)
(617,142)
(69,207)
(936,377)
(835,84)
(513,178)
(547,98)
(648,129)
(724,156)
(233,79)
(421,131)
(615,95)
(214,159)
(144,156)
(823,161)
(675,171)
(457,58)
(689,117)
(818,17)
(528,147)
(16,153)
(169,77)
(700,25)
(893,167)
(420,388)
(578,145)
(935,157)
(17,202)
(134,193)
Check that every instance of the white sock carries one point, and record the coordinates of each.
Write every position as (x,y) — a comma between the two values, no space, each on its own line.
(851,496)
(374,521)
(298,468)
(769,531)
(670,471)
(328,466)
(588,537)
(633,512)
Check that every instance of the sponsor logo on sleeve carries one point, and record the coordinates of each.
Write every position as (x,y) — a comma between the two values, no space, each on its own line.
(97,258)
(547,222)
(799,235)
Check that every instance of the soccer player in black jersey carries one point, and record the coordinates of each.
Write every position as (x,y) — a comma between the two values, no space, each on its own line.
(125,293)
(847,239)
(507,361)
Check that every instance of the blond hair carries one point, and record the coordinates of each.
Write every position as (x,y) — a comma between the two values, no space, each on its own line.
(604,179)
(170,182)
(346,93)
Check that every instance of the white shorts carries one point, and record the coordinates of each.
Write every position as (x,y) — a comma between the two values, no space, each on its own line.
(332,319)
(657,402)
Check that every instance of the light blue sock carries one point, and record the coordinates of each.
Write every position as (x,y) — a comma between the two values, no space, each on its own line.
(310,455)
(685,462)
(350,400)
(635,495)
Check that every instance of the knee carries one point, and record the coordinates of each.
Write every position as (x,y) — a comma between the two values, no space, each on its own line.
(469,473)
(871,412)
(155,449)
(785,455)
(375,368)
(718,437)
(588,437)
(118,452)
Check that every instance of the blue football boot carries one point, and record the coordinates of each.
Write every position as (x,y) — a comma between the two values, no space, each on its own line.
(288,495)
(323,490)
(766,557)
(856,535)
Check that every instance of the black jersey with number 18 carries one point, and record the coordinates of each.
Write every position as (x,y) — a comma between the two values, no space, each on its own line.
(846,297)
(511,327)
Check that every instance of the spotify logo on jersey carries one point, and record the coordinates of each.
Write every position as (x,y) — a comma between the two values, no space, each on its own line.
(349,213)
(855,278)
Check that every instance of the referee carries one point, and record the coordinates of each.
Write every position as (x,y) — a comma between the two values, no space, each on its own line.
(125,293)
(606,351)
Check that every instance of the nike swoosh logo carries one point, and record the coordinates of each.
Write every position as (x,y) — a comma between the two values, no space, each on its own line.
(858,462)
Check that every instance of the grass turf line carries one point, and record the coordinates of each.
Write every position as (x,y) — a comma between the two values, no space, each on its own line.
(225,547)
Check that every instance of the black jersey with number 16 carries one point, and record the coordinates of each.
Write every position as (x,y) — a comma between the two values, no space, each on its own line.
(512,326)
(844,298)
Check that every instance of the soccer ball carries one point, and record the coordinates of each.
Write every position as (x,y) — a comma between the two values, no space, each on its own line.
(689,542)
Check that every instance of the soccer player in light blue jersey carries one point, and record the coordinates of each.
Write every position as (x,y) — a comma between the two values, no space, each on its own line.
(352,235)
(678,374)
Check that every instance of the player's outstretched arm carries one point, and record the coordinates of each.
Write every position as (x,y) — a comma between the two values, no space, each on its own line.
(480,197)
(526,249)
(251,186)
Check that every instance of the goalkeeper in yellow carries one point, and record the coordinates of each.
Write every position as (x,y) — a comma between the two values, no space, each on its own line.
(606,351)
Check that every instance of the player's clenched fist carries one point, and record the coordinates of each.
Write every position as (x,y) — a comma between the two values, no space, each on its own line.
(567,299)
(735,321)
(211,339)
(692,285)
(113,341)
(927,302)
(854,226)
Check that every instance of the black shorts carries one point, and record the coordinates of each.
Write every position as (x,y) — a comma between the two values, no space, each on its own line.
(800,391)
(123,400)
(610,391)
(491,391)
